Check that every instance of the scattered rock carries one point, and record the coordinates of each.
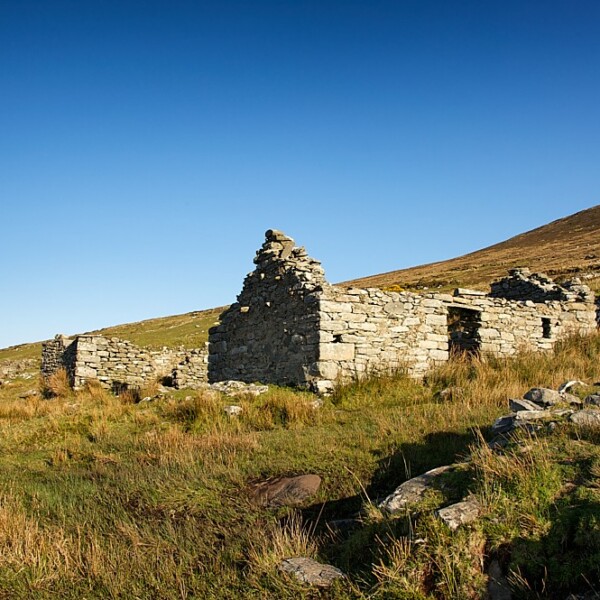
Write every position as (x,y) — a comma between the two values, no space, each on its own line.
(343,525)
(504,424)
(567,385)
(29,394)
(451,393)
(520,405)
(413,490)
(572,399)
(587,417)
(592,399)
(543,396)
(498,443)
(233,410)
(286,491)
(316,404)
(310,571)
(461,513)
(498,587)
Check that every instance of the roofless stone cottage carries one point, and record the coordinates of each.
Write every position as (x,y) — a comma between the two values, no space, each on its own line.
(289,326)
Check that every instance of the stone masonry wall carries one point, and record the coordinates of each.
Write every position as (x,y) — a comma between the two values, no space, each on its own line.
(290,326)
(53,354)
(271,333)
(371,331)
(117,363)
(192,371)
(510,326)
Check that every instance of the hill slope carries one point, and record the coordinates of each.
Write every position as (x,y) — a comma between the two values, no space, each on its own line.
(564,247)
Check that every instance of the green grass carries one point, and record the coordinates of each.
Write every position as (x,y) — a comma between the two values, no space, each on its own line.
(105,499)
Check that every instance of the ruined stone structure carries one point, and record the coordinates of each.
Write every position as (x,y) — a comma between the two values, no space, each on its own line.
(118,364)
(290,327)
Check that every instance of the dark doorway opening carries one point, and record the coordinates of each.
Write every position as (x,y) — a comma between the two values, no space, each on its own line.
(546,328)
(463,331)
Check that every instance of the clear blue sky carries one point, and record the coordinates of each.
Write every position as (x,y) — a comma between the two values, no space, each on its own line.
(146,146)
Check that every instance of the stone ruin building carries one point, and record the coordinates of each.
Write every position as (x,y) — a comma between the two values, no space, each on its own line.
(289,326)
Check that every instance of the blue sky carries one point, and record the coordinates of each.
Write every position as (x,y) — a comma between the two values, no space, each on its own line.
(146,146)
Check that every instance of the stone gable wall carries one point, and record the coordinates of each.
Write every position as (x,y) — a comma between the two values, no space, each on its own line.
(271,333)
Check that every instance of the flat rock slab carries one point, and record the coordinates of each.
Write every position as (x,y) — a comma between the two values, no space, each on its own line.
(238,388)
(286,491)
(567,385)
(232,410)
(544,396)
(461,513)
(310,571)
(413,490)
(587,417)
(518,405)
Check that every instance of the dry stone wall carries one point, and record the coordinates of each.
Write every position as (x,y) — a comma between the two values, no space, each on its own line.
(271,334)
(372,331)
(117,364)
(289,326)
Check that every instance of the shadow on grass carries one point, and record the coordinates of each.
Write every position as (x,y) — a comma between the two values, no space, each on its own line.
(566,559)
(354,541)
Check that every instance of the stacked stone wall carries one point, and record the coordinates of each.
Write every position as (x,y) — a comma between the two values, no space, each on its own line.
(507,327)
(192,371)
(271,334)
(117,364)
(290,326)
(53,355)
(371,331)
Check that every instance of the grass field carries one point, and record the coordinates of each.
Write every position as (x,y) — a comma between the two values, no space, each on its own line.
(100,498)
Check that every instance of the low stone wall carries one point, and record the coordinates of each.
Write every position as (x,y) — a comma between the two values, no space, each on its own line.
(366,331)
(192,371)
(117,364)
(507,327)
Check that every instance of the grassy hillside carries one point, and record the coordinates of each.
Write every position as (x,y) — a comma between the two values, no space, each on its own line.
(189,330)
(100,498)
(569,246)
